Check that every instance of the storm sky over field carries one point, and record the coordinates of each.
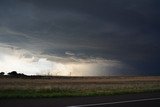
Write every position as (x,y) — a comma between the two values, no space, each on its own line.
(80,37)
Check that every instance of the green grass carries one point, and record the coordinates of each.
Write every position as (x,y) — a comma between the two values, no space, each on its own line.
(71,87)
(67,93)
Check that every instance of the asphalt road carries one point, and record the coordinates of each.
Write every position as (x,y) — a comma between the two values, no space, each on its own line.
(130,100)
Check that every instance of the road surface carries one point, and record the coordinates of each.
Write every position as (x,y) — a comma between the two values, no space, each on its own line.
(130,100)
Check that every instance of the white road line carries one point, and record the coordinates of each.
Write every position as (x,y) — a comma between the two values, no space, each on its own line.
(118,102)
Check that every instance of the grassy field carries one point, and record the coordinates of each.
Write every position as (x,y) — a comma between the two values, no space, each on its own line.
(48,87)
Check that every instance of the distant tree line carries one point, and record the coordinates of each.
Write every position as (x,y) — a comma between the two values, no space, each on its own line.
(2,73)
(13,74)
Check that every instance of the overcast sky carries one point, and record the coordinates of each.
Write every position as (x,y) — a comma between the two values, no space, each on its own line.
(80,37)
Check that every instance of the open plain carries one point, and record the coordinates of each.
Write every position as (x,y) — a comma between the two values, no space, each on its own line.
(52,86)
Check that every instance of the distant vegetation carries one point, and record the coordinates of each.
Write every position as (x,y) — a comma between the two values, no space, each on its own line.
(12,74)
(15,74)
(2,73)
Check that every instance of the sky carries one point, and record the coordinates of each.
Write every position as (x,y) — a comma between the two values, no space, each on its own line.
(80,37)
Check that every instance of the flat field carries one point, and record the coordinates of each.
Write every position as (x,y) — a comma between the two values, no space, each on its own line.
(49,87)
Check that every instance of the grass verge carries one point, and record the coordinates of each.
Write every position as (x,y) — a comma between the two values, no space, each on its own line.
(70,93)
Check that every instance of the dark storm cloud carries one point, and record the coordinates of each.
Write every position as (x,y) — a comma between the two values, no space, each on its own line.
(123,30)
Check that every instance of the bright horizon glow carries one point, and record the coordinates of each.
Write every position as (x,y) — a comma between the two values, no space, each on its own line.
(15,60)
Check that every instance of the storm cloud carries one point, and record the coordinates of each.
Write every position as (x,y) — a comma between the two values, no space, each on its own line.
(98,36)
